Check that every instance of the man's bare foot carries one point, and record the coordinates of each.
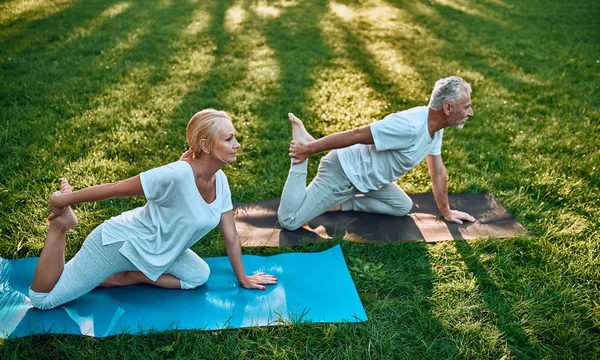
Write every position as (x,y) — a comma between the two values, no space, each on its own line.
(67,219)
(336,208)
(299,133)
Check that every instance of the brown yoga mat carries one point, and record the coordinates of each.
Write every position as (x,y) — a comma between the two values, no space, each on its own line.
(257,225)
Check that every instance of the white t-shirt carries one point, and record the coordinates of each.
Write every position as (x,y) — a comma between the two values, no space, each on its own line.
(174,218)
(402,142)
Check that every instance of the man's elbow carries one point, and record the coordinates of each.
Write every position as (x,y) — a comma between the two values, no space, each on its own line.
(362,135)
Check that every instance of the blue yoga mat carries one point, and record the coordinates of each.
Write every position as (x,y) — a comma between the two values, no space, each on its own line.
(312,287)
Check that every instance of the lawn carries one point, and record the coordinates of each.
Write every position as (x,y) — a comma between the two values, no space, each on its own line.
(97,91)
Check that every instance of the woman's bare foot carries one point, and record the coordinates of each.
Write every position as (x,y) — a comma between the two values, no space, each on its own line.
(299,133)
(67,219)
(114,280)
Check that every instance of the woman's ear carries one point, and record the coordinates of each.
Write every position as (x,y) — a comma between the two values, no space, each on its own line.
(204,146)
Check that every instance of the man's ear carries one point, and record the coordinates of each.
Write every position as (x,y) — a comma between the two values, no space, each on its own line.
(204,146)
(447,107)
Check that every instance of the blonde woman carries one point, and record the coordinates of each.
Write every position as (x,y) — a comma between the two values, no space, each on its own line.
(150,244)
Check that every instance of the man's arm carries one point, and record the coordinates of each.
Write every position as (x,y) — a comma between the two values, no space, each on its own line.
(302,150)
(234,253)
(439,182)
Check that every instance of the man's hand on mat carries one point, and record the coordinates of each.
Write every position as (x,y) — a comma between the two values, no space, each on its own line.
(257,281)
(456,216)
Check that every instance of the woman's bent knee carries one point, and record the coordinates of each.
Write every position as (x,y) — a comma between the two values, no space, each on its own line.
(198,279)
(41,300)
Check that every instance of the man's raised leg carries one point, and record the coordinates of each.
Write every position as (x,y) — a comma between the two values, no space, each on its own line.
(330,187)
(294,190)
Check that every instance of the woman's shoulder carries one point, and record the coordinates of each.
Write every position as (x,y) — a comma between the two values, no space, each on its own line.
(221,178)
(176,169)
(220,175)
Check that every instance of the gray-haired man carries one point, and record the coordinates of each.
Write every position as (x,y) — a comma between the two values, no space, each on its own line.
(361,174)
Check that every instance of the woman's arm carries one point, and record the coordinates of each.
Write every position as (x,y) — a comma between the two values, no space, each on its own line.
(234,252)
(58,201)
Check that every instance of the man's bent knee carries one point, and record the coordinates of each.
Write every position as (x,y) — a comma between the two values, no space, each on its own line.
(403,208)
(288,223)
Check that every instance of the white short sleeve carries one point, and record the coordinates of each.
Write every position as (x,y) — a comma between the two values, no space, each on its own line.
(225,193)
(392,133)
(436,148)
(158,182)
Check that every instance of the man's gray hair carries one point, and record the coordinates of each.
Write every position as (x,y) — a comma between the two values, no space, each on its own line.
(447,89)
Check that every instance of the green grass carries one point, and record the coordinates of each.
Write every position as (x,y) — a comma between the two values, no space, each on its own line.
(97,91)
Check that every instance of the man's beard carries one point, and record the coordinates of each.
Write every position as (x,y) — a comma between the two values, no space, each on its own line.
(460,124)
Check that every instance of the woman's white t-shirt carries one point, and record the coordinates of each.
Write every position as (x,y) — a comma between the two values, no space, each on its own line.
(402,142)
(174,218)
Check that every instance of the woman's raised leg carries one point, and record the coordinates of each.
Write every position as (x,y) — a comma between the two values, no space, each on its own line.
(52,259)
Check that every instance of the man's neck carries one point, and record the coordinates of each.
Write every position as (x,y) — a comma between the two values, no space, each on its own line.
(435,121)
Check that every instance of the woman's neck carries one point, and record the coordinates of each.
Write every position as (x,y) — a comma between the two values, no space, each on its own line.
(205,167)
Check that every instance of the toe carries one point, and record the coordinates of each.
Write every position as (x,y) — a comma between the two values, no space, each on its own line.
(65,186)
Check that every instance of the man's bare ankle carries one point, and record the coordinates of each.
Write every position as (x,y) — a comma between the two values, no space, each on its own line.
(336,208)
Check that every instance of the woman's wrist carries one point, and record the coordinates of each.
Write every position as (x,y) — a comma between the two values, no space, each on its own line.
(244,281)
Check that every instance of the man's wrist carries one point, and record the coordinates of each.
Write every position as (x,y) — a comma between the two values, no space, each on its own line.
(446,212)
(310,147)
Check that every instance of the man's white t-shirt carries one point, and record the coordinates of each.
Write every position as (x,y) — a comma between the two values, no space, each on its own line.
(402,142)
(174,218)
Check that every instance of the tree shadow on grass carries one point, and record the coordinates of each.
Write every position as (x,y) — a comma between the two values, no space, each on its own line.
(76,84)
(81,87)
(26,36)
(210,90)
(395,283)
(298,51)
(517,341)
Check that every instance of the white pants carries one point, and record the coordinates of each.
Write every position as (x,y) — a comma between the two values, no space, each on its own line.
(331,187)
(94,262)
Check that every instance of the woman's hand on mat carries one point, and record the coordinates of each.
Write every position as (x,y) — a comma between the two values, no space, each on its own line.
(456,216)
(258,281)
(299,151)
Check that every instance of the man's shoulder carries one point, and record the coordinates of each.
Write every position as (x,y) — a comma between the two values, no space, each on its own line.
(410,117)
(416,112)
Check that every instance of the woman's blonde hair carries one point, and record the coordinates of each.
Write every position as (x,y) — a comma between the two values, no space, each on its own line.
(205,125)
